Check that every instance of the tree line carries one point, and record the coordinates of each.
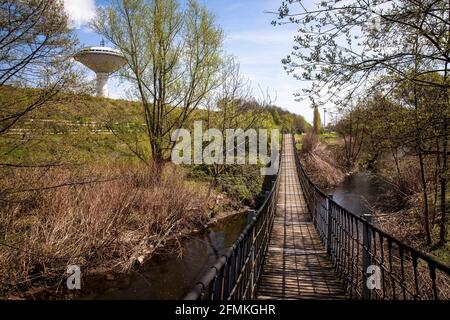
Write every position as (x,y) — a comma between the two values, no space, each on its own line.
(385,65)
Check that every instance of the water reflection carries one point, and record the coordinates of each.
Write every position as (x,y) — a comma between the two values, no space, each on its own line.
(170,276)
(357,190)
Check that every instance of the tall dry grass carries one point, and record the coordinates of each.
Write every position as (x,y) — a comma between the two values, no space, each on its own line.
(321,164)
(310,142)
(400,209)
(110,218)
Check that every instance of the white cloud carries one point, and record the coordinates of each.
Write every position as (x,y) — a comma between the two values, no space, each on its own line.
(80,12)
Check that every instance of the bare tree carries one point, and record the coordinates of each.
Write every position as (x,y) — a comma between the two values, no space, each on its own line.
(173,56)
(343,44)
(352,129)
(36,46)
(233,107)
(348,49)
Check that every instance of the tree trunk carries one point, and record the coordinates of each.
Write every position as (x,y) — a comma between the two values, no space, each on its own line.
(443,178)
(443,222)
(158,160)
(212,185)
(426,219)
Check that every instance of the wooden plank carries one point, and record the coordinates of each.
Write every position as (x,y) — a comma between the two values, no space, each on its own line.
(297,266)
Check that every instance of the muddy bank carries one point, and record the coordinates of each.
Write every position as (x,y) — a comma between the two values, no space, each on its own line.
(169,274)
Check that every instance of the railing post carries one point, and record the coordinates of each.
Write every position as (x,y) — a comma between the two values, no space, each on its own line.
(314,206)
(329,223)
(251,213)
(275,195)
(366,257)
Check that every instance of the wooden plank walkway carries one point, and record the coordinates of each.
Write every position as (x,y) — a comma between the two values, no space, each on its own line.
(296,266)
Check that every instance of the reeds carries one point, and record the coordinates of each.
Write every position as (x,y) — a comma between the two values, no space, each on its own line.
(111,218)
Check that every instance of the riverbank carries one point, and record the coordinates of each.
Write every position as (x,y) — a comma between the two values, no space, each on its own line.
(168,274)
(105,220)
(322,158)
(388,189)
(405,224)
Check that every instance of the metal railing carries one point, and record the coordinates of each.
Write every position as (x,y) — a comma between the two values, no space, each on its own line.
(371,263)
(235,275)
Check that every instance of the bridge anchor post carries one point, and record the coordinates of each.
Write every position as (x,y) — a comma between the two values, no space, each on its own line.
(251,217)
(329,223)
(366,255)
(314,206)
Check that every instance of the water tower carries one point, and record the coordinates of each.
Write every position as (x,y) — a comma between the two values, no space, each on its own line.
(103,61)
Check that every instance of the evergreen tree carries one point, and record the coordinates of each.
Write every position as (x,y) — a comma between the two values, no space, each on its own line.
(317,121)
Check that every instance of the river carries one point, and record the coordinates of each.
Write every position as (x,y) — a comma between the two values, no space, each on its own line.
(171,276)
(357,190)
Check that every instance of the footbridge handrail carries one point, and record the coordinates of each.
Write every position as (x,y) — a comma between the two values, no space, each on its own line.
(235,274)
(371,263)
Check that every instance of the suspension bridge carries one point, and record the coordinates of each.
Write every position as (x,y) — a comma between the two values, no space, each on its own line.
(300,244)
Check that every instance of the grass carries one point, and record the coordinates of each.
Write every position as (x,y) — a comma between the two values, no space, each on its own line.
(321,164)
(443,252)
(69,107)
(116,221)
(45,142)
(65,148)
(298,141)
(329,138)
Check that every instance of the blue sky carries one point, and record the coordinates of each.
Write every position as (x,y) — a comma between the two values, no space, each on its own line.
(250,37)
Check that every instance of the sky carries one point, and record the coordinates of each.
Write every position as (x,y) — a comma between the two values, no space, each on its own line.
(249,36)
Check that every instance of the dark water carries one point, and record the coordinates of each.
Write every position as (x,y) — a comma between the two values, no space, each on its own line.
(170,276)
(357,191)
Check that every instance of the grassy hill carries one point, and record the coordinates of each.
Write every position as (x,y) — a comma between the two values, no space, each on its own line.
(58,130)
(68,106)
(74,127)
